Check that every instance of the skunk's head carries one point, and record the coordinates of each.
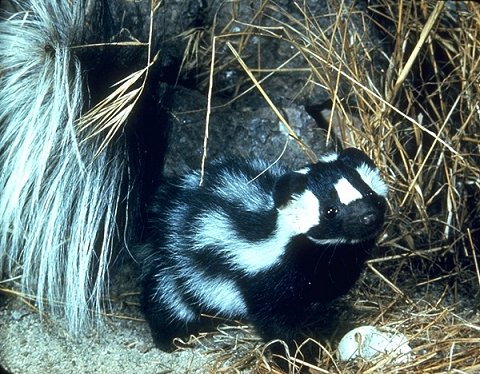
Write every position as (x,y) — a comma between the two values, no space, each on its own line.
(340,199)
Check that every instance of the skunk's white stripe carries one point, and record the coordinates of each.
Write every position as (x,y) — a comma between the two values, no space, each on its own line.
(329,157)
(170,297)
(218,294)
(346,192)
(236,187)
(215,229)
(300,214)
(303,171)
(372,178)
(191,180)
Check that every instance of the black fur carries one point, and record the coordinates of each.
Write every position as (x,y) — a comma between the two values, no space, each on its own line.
(267,249)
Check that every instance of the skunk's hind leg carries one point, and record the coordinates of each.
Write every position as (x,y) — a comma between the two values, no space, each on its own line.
(162,328)
(166,311)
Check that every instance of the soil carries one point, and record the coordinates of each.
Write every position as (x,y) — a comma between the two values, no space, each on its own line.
(120,344)
(30,345)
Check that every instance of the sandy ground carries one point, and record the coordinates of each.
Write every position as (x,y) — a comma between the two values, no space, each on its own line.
(123,344)
(29,345)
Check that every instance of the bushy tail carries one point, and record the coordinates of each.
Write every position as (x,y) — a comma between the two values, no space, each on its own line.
(58,196)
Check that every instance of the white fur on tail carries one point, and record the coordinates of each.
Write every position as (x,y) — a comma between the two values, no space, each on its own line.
(57,199)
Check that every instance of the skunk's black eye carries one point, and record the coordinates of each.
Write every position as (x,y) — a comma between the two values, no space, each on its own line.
(369,193)
(330,212)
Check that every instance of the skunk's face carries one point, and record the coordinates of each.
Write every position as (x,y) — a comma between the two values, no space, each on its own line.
(342,198)
(359,220)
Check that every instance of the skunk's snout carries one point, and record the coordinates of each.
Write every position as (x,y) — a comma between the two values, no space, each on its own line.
(365,218)
(369,219)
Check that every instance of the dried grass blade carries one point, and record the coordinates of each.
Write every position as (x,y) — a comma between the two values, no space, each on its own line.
(420,42)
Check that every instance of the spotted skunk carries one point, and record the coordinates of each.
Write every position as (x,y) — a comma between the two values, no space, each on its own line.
(257,243)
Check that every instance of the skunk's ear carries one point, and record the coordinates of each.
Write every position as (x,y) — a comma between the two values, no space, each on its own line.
(354,158)
(287,185)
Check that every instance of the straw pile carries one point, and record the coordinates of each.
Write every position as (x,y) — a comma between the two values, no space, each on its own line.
(414,106)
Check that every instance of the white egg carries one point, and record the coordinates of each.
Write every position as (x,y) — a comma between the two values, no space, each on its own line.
(369,342)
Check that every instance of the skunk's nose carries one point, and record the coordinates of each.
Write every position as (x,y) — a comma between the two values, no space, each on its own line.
(369,219)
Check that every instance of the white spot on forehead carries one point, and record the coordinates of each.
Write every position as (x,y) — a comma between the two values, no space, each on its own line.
(346,192)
